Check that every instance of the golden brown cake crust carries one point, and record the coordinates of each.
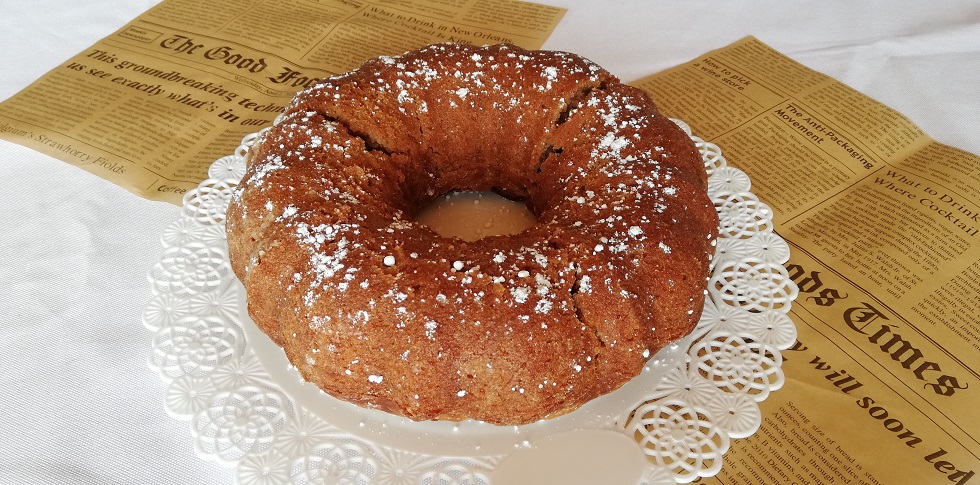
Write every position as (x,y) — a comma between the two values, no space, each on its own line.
(378,310)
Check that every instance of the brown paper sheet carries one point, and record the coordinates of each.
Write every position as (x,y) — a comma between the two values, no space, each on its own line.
(152,105)
(884,228)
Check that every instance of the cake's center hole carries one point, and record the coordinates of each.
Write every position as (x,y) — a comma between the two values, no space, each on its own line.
(474,215)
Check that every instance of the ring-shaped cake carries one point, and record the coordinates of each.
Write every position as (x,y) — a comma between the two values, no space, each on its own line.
(377,309)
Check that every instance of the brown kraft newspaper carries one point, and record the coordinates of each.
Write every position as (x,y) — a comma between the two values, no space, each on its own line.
(884,229)
(152,105)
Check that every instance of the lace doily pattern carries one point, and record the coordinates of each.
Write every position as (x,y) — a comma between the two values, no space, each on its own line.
(242,419)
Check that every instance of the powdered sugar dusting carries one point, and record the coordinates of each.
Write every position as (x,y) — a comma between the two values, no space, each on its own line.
(428,295)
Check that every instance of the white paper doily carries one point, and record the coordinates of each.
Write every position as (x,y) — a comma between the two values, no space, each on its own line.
(250,411)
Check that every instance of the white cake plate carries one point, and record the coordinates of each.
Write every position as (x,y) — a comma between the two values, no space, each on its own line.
(249,409)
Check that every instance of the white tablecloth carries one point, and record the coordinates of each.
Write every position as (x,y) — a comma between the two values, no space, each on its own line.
(77,401)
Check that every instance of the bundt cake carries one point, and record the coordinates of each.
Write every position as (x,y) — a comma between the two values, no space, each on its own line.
(378,310)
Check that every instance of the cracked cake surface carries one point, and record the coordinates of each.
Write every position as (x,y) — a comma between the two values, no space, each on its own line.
(378,310)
